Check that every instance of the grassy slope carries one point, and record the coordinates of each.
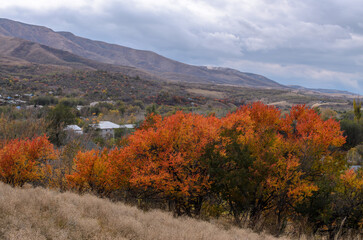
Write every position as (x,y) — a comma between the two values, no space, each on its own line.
(44,214)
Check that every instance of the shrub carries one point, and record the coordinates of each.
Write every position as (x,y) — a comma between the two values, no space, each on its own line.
(26,160)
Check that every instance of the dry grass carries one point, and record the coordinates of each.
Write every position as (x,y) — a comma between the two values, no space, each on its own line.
(43,214)
(206,93)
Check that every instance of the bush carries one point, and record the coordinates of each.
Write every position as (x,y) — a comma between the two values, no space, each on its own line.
(353,132)
(24,161)
(44,100)
(58,118)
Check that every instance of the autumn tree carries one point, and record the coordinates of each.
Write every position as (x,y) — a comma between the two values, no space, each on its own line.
(166,156)
(230,175)
(98,171)
(349,193)
(267,167)
(315,143)
(278,157)
(277,168)
(25,160)
(337,205)
(312,139)
(20,123)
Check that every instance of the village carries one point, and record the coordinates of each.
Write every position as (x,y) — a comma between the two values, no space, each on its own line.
(106,128)
(94,124)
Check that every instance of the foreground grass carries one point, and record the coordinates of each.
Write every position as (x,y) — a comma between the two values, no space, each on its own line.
(43,214)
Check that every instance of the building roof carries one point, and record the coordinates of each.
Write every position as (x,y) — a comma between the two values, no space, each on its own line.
(127,126)
(105,125)
(73,127)
(355,167)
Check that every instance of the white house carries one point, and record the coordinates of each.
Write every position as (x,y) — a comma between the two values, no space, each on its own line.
(73,128)
(107,128)
(128,126)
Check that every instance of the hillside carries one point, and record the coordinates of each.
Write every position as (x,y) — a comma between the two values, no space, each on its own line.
(44,214)
(119,55)
(38,69)
(17,51)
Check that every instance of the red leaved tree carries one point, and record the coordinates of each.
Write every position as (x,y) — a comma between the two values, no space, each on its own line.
(26,160)
(166,159)
(99,171)
(285,152)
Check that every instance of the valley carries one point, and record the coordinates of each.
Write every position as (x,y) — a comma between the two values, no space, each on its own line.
(132,126)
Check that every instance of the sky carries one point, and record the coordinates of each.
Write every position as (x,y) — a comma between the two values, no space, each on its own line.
(312,43)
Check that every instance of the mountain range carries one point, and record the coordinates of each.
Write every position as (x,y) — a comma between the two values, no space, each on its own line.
(25,43)
(18,51)
(42,45)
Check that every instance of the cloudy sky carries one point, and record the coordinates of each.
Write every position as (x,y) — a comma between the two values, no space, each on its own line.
(313,43)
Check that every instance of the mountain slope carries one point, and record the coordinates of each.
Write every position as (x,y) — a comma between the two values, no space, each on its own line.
(322,90)
(19,51)
(119,55)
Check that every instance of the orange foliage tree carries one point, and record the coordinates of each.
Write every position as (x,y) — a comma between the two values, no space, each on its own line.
(311,139)
(99,171)
(350,194)
(26,160)
(258,161)
(166,155)
(284,151)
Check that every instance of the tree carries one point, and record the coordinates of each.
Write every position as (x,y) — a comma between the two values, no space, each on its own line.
(57,118)
(337,205)
(166,159)
(261,164)
(311,139)
(230,175)
(152,109)
(353,132)
(20,128)
(98,171)
(350,199)
(315,143)
(357,110)
(26,160)
(277,156)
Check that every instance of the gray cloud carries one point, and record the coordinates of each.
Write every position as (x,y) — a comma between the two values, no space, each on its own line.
(311,43)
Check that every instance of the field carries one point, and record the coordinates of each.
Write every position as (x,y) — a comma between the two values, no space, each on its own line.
(36,213)
(41,80)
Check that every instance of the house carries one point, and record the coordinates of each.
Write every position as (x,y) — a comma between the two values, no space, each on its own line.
(355,167)
(125,130)
(79,107)
(73,128)
(128,126)
(107,128)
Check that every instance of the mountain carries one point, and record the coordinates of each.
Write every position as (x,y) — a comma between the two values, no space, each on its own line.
(16,51)
(145,60)
(323,90)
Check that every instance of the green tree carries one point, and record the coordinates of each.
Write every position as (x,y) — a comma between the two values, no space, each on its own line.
(121,107)
(57,118)
(231,176)
(152,109)
(357,111)
(353,132)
